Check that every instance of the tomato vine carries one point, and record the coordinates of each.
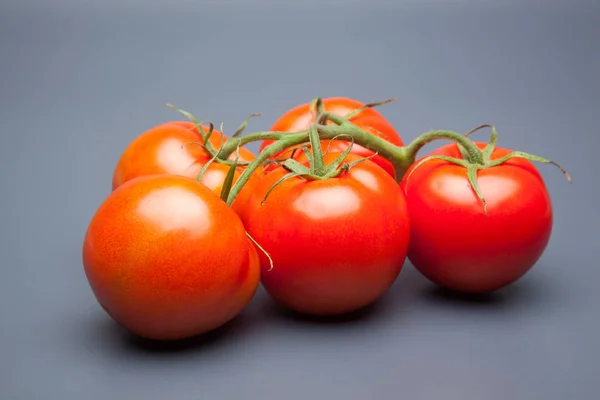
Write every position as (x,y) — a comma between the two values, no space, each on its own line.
(401,157)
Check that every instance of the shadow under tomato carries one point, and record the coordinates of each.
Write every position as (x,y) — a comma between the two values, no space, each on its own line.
(119,339)
(524,291)
(442,294)
(390,305)
(209,339)
(359,316)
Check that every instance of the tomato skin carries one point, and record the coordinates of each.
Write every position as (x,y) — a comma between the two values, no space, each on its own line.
(169,149)
(300,118)
(214,178)
(337,244)
(167,259)
(454,244)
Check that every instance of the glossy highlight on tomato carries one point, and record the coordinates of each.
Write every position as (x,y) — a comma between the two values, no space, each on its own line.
(168,259)
(337,244)
(371,120)
(454,243)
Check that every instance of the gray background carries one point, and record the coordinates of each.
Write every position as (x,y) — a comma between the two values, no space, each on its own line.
(79,80)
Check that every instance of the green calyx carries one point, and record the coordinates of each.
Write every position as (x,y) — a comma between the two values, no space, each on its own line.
(481,159)
(316,169)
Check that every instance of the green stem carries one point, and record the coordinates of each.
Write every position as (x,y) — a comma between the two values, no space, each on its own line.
(286,141)
(400,158)
(474,153)
(387,150)
(376,144)
(232,144)
(318,164)
(394,154)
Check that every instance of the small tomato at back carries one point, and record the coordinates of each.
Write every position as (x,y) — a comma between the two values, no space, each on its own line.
(337,244)
(167,259)
(172,148)
(454,244)
(300,118)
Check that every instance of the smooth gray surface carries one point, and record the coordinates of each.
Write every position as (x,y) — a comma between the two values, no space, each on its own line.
(78,82)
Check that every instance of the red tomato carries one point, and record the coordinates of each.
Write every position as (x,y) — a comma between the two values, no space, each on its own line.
(300,118)
(337,244)
(454,244)
(169,149)
(167,259)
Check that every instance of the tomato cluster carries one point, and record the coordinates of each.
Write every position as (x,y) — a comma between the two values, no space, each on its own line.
(168,257)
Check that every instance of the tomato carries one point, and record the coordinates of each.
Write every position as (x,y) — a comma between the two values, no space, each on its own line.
(454,244)
(167,259)
(171,148)
(300,118)
(337,244)
(214,178)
